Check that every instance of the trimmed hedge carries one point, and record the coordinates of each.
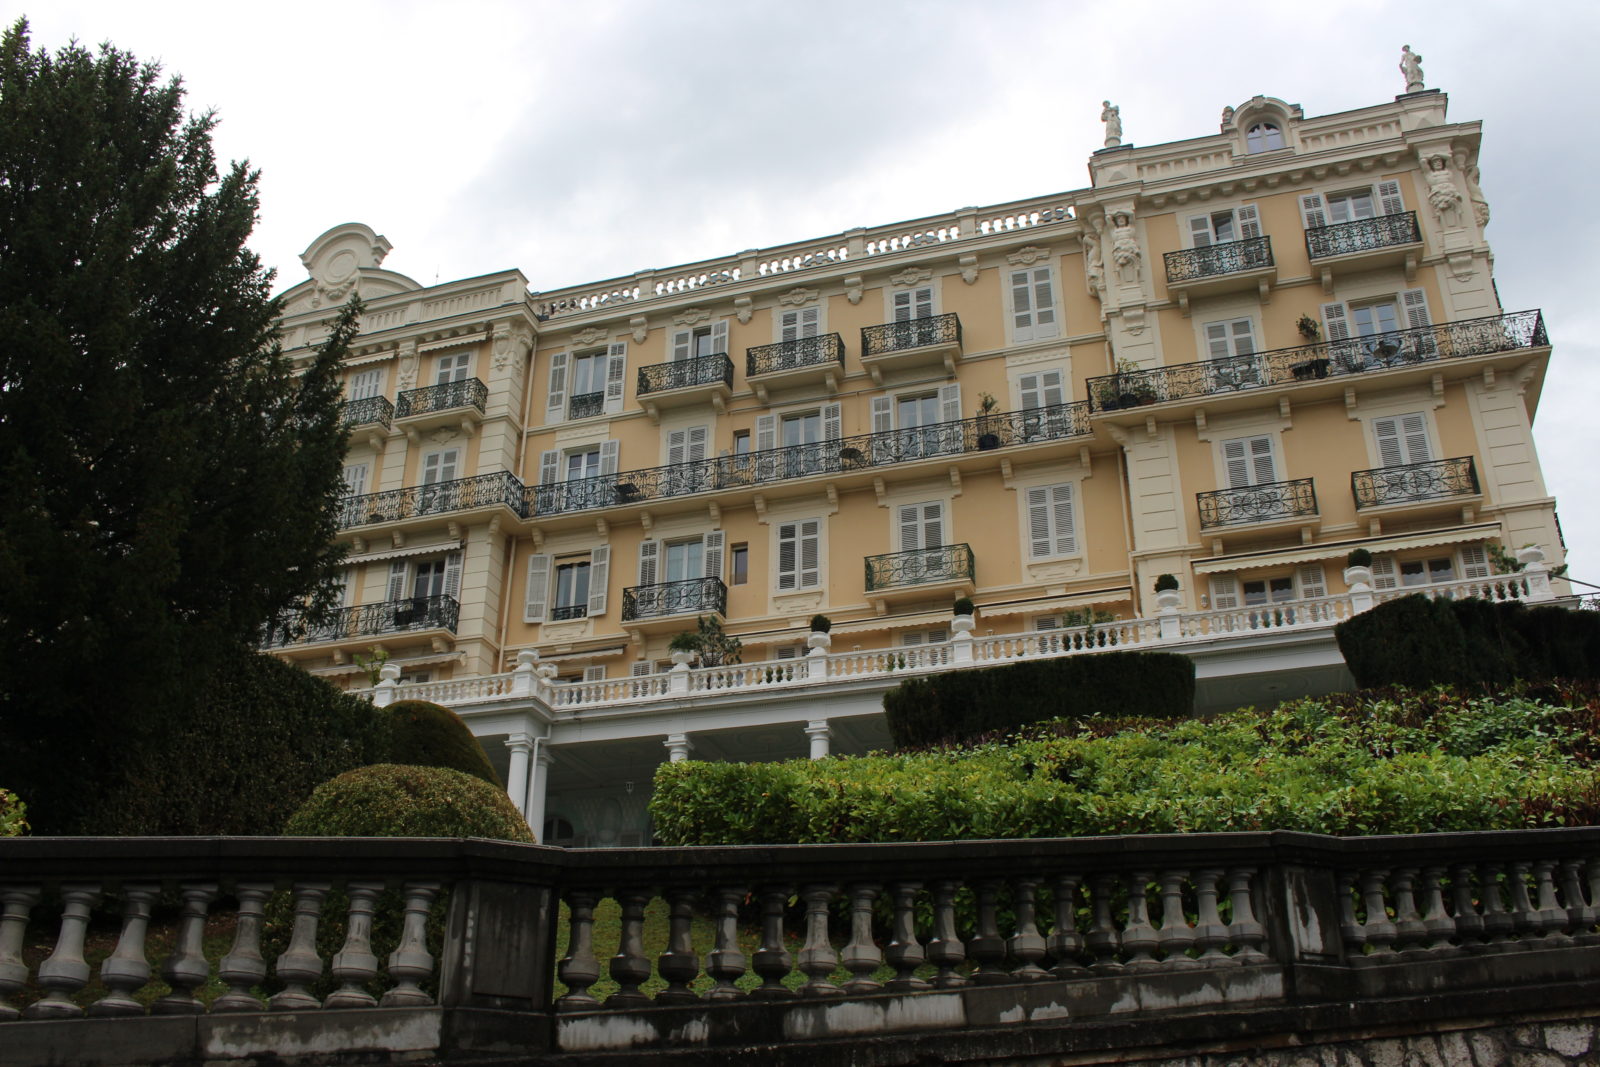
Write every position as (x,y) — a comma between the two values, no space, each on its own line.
(1365,763)
(1418,641)
(959,705)
(422,734)
(389,800)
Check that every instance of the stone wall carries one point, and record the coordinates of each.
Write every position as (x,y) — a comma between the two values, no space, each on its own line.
(1554,1043)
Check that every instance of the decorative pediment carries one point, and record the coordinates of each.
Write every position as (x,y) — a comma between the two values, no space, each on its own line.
(1027,256)
(589,335)
(797,297)
(912,276)
(690,316)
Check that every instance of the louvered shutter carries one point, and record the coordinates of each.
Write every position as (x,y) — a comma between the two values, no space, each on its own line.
(682,345)
(1054,389)
(347,578)
(903,307)
(1039,539)
(1224,593)
(1261,466)
(1243,337)
(832,422)
(452,368)
(550,466)
(452,575)
(599,577)
(355,479)
(711,549)
(788,555)
(1022,305)
(1313,211)
(594,674)
(397,580)
(1065,526)
(1200,231)
(1249,220)
(1402,439)
(810,553)
(1414,431)
(1415,304)
(882,414)
(1336,321)
(1383,573)
(766,432)
(641,668)
(368,383)
(788,652)
(609,450)
(697,442)
(1217,338)
(1313,584)
(1029,391)
(616,369)
(677,441)
(1389,198)
(1044,304)
(932,525)
(788,325)
(1391,453)
(1235,457)
(536,597)
(719,337)
(440,466)
(910,639)
(649,559)
(555,407)
(910,527)
(937,636)
(1474,562)
(950,402)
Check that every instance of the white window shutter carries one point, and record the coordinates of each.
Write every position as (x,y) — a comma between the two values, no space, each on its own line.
(810,564)
(641,667)
(677,441)
(832,422)
(910,638)
(355,479)
(1383,573)
(1028,391)
(616,371)
(882,414)
(649,557)
(788,652)
(1039,540)
(711,549)
(766,432)
(788,555)
(1313,211)
(555,408)
(1224,593)
(397,580)
(536,597)
(1044,304)
(1046,622)
(1237,462)
(903,307)
(347,578)
(596,673)
(1415,302)
(697,443)
(789,326)
(933,526)
(1336,321)
(910,528)
(810,321)
(1022,305)
(1217,341)
(1200,231)
(550,466)
(1474,562)
(1249,220)
(599,577)
(1061,507)
(682,347)
(452,575)
(1391,453)
(1414,429)
(1054,388)
(719,337)
(366,384)
(950,402)
(609,450)
(1244,337)
(1313,584)
(1389,198)
(1262,466)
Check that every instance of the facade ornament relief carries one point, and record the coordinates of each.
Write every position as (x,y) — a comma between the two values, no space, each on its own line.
(641,328)
(510,342)
(969,268)
(798,296)
(444,435)
(743,306)
(1027,256)
(1125,251)
(852,291)
(408,365)
(690,316)
(911,276)
(1094,267)
(1227,116)
(1112,117)
(1480,204)
(1443,196)
(1411,67)
(589,335)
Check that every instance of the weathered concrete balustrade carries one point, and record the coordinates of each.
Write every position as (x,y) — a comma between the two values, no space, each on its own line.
(983,950)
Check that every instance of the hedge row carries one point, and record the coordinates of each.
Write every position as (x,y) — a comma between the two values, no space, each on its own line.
(1418,641)
(957,706)
(1366,764)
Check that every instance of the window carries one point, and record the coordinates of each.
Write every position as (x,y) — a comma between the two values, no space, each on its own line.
(913,638)
(680,561)
(912,425)
(584,464)
(572,590)
(741,448)
(1230,348)
(1468,563)
(803,436)
(799,555)
(686,453)
(1402,439)
(1352,205)
(1249,461)
(915,306)
(456,367)
(437,467)
(1042,398)
(416,589)
(797,323)
(1380,333)
(580,586)
(1219,227)
(739,564)
(1263,137)
(921,526)
(700,341)
(588,383)
(355,479)
(1033,305)
(365,384)
(1303,583)
(575,479)
(1052,529)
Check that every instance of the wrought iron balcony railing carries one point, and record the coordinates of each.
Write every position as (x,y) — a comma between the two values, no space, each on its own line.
(435,498)
(922,566)
(1353,355)
(910,333)
(792,355)
(585,405)
(369,410)
(1363,235)
(1058,422)
(694,595)
(437,612)
(1212,261)
(467,393)
(564,612)
(1257,503)
(686,373)
(1438,479)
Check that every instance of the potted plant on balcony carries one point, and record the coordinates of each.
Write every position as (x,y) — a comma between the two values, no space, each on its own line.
(1168,597)
(962,623)
(818,638)
(987,438)
(1358,569)
(1309,328)
(684,648)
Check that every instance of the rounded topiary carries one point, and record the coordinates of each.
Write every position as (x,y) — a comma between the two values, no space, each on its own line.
(427,735)
(821,624)
(1165,582)
(1358,557)
(390,800)
(964,606)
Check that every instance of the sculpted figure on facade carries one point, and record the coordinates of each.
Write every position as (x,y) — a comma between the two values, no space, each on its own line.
(408,365)
(1443,196)
(1411,67)
(1125,248)
(1112,117)
(1480,203)
(1227,116)
(1094,267)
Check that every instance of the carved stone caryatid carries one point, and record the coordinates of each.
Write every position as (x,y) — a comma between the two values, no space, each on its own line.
(1026,944)
(1210,932)
(579,968)
(1411,68)
(861,954)
(1125,252)
(1480,204)
(65,971)
(299,966)
(1094,266)
(1112,117)
(244,968)
(904,952)
(1139,937)
(126,969)
(679,964)
(986,948)
(1443,196)
(945,948)
(16,904)
(1065,943)
(772,960)
(1176,936)
(817,957)
(725,963)
(1102,937)
(411,964)
(355,964)
(630,967)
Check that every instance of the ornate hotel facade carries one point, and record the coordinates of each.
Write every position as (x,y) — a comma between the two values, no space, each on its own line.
(1232,359)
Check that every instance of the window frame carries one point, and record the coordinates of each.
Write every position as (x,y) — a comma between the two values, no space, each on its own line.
(1043,318)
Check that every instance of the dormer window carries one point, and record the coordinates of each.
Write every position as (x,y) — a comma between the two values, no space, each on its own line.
(1263,137)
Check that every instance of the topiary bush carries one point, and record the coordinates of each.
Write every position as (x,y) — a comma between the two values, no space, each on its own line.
(959,705)
(391,800)
(422,734)
(13,815)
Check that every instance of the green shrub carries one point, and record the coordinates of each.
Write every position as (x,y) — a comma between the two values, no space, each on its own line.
(960,705)
(427,735)
(13,815)
(389,800)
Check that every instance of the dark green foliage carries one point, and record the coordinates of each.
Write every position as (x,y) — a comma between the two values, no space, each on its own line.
(821,624)
(427,735)
(240,760)
(167,482)
(1565,643)
(963,606)
(1358,557)
(389,800)
(1165,582)
(958,705)
(1411,641)
(13,815)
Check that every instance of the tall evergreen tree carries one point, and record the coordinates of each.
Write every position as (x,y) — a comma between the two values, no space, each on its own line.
(167,476)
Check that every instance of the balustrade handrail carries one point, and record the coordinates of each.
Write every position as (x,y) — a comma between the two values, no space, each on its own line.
(793,354)
(439,611)
(1323,359)
(468,392)
(435,498)
(910,333)
(368,409)
(674,598)
(686,373)
(840,455)
(1257,503)
(1226,257)
(1436,479)
(920,566)
(1362,235)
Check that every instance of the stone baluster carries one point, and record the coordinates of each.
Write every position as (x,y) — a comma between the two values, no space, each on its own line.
(1101,939)
(126,970)
(1497,922)
(16,904)
(772,960)
(1408,929)
(1065,944)
(861,955)
(300,965)
(1379,929)
(355,963)
(904,951)
(1351,931)
(1523,913)
(243,968)
(630,967)
(1552,916)
(1246,930)
(410,964)
(1176,936)
(1469,922)
(679,964)
(1435,920)
(1026,945)
(946,951)
(1580,913)
(986,948)
(1210,932)
(1592,873)
(1139,937)
(817,958)
(579,968)
(725,963)
(65,971)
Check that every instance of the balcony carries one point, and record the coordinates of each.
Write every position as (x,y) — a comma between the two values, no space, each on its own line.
(1365,244)
(500,489)
(804,361)
(407,615)
(586,405)
(1232,266)
(934,341)
(706,379)
(1449,480)
(643,604)
(862,452)
(1397,350)
(1257,506)
(437,405)
(368,411)
(920,574)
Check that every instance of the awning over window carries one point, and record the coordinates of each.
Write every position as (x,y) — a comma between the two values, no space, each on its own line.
(401,553)
(1339,549)
(438,659)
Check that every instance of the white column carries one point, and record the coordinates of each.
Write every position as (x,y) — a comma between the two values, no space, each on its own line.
(678,746)
(538,783)
(522,675)
(820,734)
(388,680)
(517,778)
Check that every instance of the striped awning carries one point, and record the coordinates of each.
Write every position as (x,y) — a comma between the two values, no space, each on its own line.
(1338,549)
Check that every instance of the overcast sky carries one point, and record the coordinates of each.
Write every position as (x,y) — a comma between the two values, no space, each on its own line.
(579,142)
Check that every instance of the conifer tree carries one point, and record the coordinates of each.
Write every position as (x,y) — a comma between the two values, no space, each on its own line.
(167,475)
